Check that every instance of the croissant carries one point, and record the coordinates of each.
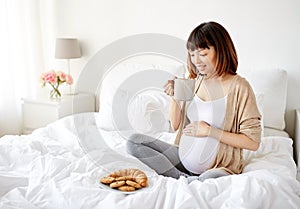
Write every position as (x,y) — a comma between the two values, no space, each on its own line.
(132,174)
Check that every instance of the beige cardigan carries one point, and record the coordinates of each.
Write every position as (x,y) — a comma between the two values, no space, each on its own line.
(242,116)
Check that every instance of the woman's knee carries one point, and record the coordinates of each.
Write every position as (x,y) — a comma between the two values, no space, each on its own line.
(131,147)
(133,143)
(135,138)
(140,138)
(137,142)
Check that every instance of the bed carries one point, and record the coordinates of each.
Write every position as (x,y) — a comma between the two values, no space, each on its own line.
(59,166)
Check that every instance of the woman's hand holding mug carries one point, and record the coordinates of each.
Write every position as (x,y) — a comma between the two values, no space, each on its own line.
(180,89)
(169,87)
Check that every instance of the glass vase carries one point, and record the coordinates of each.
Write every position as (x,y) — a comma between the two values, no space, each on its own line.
(55,94)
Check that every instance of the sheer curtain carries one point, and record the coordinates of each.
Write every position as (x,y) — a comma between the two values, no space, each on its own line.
(21,59)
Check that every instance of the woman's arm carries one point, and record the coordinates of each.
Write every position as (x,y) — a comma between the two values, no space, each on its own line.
(174,114)
(175,110)
(203,129)
(233,139)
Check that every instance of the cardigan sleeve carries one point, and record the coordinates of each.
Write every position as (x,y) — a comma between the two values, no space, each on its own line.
(248,113)
(242,116)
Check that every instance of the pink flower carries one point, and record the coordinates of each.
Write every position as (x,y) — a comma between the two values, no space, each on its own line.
(50,77)
(61,75)
(69,79)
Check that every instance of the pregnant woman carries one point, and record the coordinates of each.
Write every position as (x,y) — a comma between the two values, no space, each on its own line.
(220,121)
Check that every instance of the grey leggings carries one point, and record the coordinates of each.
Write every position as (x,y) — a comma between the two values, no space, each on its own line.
(164,158)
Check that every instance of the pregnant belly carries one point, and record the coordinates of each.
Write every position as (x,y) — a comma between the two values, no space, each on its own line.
(197,153)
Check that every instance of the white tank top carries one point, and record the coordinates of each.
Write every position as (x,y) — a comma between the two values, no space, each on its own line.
(198,153)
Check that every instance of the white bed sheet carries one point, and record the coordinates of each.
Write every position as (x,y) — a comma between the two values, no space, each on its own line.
(52,168)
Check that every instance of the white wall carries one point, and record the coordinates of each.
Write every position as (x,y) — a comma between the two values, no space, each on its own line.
(266,33)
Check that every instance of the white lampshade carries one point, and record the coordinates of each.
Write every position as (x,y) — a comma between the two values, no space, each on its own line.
(67,48)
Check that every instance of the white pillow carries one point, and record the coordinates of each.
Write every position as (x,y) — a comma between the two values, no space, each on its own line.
(273,84)
(125,82)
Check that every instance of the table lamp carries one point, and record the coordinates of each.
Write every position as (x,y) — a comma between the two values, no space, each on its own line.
(67,48)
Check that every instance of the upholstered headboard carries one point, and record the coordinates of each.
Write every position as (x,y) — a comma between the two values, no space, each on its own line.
(146,106)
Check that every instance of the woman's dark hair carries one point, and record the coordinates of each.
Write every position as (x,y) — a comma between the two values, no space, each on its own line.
(213,34)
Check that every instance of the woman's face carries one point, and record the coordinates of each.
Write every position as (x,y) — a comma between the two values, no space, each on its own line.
(204,60)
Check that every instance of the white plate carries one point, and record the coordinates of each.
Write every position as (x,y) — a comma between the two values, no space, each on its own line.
(104,186)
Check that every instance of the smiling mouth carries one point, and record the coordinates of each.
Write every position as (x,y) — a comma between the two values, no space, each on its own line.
(201,67)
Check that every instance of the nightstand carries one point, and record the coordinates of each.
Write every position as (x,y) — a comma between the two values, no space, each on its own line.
(297,142)
(40,112)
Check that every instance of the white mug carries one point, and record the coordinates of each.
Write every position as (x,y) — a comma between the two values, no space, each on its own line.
(184,89)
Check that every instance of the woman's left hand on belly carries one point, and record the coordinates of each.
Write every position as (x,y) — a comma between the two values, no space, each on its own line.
(197,128)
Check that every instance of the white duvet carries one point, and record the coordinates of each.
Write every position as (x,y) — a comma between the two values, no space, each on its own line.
(54,168)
